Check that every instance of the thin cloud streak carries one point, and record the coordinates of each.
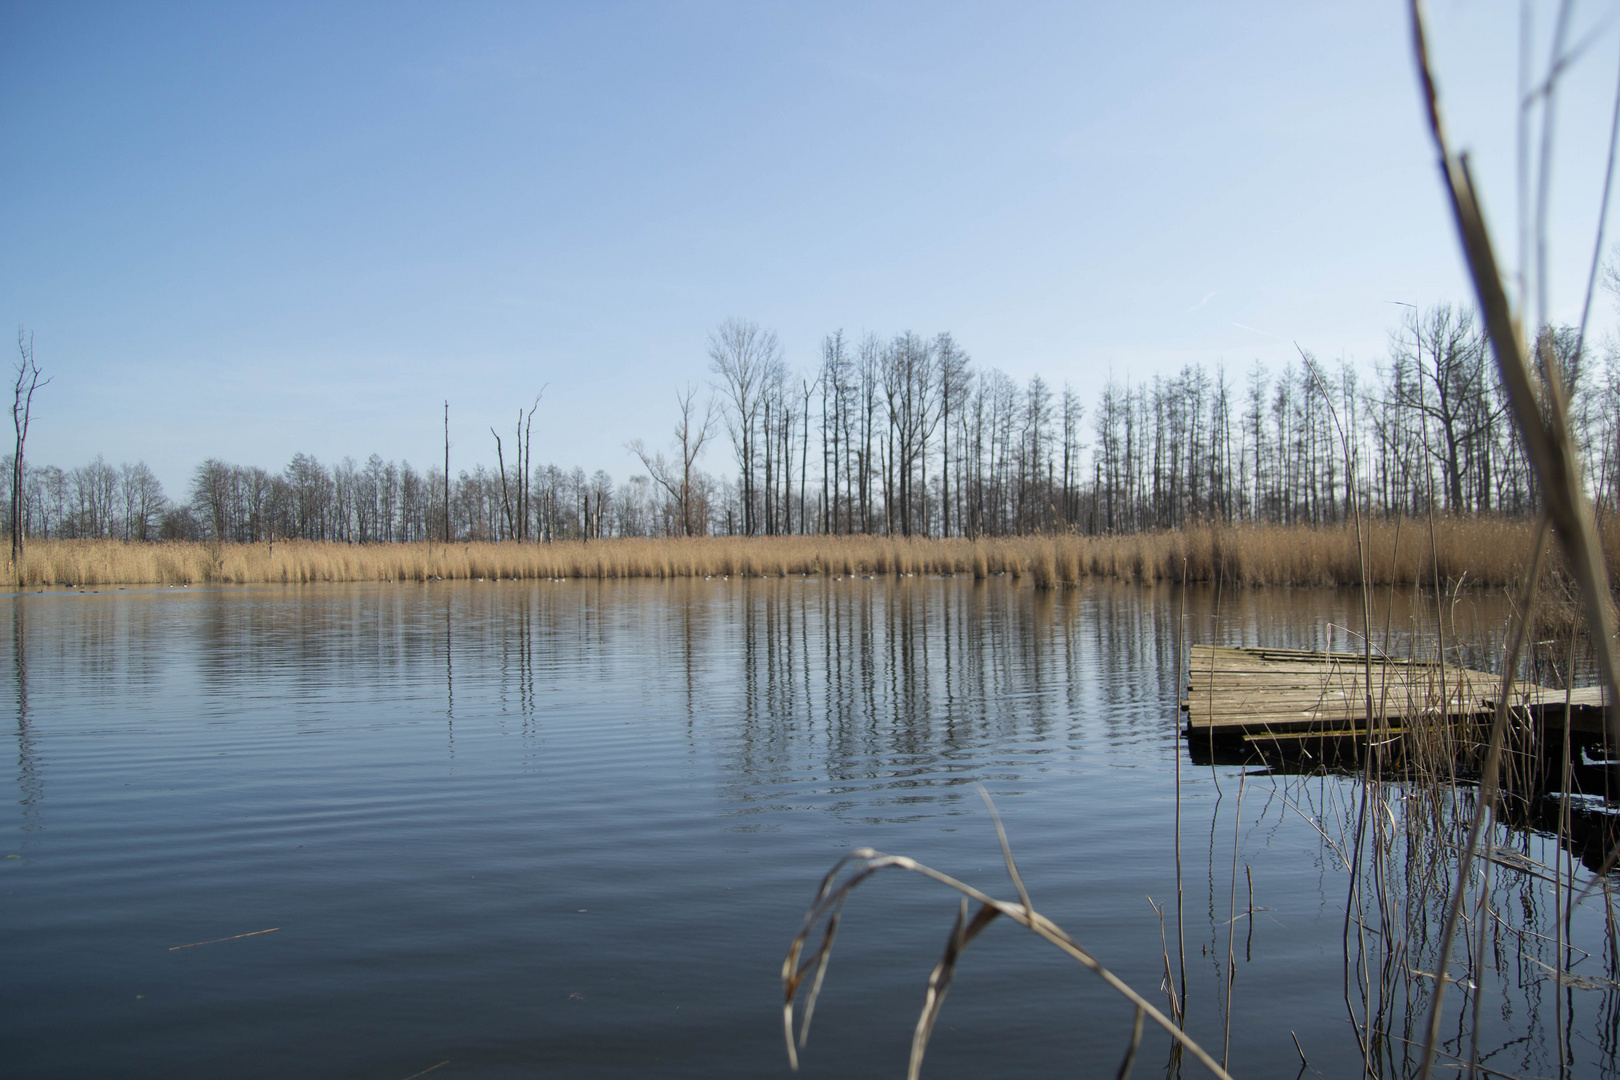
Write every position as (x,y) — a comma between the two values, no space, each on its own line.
(1262,333)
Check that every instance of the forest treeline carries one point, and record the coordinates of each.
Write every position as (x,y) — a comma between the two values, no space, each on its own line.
(906,437)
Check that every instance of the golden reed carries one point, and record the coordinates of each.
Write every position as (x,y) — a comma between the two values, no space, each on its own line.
(1479,551)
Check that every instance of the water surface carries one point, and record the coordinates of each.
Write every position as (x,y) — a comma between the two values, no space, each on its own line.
(568,828)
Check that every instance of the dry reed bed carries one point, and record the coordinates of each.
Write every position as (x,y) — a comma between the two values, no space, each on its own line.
(1481,551)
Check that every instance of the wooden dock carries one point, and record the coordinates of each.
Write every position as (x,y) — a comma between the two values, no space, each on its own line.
(1276,692)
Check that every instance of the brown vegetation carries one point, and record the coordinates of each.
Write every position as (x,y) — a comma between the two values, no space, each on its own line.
(1488,551)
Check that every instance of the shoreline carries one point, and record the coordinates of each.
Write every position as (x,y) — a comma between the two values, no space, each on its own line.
(1478,551)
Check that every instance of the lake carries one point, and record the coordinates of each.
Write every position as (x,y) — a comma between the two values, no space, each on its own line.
(569,828)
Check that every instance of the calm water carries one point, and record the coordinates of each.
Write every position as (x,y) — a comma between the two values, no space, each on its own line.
(568,829)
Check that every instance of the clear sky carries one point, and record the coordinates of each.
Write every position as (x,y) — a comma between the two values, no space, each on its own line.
(248,230)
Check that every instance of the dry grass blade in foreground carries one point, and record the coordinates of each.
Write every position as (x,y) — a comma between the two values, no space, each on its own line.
(1540,413)
(1541,418)
(862,863)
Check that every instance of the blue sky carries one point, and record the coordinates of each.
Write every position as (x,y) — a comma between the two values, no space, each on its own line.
(245,231)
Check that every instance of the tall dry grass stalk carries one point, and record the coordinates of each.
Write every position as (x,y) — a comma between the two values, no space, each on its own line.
(1539,407)
(1479,550)
(827,910)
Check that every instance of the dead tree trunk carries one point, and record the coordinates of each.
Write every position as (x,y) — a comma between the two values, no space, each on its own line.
(22,406)
(525,463)
(447,472)
(506,499)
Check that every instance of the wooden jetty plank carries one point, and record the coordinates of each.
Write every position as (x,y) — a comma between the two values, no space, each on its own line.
(1258,704)
(1239,688)
(1404,672)
(1351,687)
(1255,663)
(1338,680)
(1300,736)
(1586,712)
(1248,652)
(1271,694)
(1325,675)
(1584,697)
(1337,712)
(1213,699)
(1219,682)
(1236,659)
(1222,698)
(1243,716)
(1307,719)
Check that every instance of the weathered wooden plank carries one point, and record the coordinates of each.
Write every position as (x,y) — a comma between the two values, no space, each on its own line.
(1336,733)
(1350,688)
(1241,653)
(1583,697)
(1346,679)
(1220,698)
(1355,693)
(1267,703)
(1255,666)
(1252,718)
(1230,687)
(1229,660)
(1261,704)
(1324,677)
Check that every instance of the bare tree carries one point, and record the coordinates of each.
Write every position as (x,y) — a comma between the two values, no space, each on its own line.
(500,464)
(952,380)
(744,356)
(837,390)
(810,389)
(526,426)
(22,410)
(447,471)
(95,487)
(1072,412)
(1439,374)
(143,501)
(868,373)
(679,481)
(310,490)
(211,493)
(515,504)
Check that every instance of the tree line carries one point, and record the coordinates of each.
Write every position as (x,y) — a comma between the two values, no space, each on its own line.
(375,501)
(906,436)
